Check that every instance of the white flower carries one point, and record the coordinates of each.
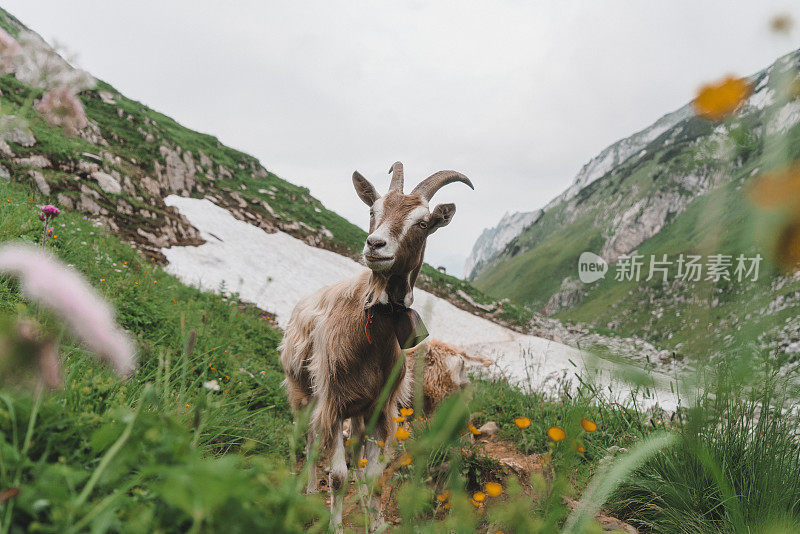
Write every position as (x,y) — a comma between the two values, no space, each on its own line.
(213,385)
(40,66)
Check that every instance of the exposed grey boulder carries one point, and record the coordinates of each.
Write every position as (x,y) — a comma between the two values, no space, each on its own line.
(37,161)
(151,186)
(92,134)
(205,161)
(65,201)
(488,429)
(41,183)
(178,175)
(88,201)
(5,150)
(88,167)
(569,295)
(107,97)
(15,130)
(469,300)
(107,182)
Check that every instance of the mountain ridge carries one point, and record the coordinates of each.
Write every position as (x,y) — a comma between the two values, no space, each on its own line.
(679,193)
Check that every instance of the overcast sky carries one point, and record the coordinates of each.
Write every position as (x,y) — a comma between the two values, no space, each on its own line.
(517,95)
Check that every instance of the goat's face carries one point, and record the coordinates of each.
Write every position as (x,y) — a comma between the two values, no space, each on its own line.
(400,224)
(398,228)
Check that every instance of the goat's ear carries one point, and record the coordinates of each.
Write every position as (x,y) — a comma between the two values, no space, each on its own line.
(441,216)
(365,190)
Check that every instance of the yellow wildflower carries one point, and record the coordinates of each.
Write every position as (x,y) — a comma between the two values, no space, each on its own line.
(556,433)
(475,431)
(588,425)
(402,434)
(493,489)
(717,100)
(522,422)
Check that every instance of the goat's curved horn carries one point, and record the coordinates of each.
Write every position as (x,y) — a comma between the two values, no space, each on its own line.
(397,177)
(430,185)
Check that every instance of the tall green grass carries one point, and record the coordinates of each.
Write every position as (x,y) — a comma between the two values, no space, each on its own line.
(736,466)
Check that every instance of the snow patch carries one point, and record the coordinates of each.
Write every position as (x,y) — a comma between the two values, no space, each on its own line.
(273,271)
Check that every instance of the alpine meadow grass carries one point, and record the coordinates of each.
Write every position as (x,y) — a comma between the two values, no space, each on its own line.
(132,402)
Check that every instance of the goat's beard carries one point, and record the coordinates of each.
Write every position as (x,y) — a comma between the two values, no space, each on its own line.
(380,267)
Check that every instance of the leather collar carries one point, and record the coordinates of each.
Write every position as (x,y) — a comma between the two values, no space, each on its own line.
(409,329)
(386,309)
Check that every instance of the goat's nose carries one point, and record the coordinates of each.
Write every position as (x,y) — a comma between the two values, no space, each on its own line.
(375,242)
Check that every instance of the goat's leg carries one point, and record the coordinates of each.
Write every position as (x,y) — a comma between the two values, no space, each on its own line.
(374,470)
(357,433)
(338,478)
(311,462)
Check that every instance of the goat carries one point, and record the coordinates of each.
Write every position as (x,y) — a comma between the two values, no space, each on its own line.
(444,371)
(341,343)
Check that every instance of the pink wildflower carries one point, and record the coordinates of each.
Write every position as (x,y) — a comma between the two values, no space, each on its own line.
(50,211)
(61,289)
(60,107)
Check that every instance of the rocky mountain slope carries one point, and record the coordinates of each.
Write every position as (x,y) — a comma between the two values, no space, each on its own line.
(119,168)
(674,188)
(492,240)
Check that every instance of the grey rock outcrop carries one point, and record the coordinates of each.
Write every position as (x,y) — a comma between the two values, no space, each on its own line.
(493,240)
(16,131)
(107,183)
(570,293)
(178,173)
(41,183)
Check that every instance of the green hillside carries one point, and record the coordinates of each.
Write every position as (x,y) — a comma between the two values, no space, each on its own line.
(151,156)
(683,193)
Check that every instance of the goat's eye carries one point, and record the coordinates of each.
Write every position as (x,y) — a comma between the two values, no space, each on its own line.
(423,224)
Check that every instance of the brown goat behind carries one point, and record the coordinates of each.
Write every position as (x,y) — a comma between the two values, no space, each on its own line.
(445,371)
